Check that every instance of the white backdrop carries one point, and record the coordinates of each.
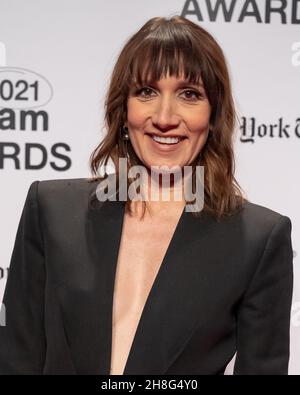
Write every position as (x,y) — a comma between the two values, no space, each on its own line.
(55,60)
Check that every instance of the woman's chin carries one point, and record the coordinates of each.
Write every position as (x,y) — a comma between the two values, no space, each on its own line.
(164,167)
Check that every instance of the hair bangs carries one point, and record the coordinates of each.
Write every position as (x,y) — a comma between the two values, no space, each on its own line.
(158,59)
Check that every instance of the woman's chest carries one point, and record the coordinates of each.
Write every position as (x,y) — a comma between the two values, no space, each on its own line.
(142,250)
(141,254)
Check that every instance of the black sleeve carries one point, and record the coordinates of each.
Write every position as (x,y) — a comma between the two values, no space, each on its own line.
(263,319)
(22,335)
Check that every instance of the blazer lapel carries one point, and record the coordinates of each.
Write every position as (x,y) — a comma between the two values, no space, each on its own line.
(173,307)
(170,314)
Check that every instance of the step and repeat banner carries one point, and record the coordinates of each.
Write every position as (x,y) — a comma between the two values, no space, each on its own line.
(56,57)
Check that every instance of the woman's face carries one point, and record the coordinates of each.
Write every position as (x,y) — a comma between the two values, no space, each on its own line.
(168,108)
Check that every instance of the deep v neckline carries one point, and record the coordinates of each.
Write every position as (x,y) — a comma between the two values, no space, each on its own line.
(147,305)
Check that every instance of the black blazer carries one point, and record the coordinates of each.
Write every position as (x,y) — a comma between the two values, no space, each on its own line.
(222,287)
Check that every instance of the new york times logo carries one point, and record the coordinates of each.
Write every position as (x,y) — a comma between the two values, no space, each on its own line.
(251,130)
(259,11)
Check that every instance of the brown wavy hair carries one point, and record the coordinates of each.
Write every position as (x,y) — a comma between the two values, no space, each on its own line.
(175,46)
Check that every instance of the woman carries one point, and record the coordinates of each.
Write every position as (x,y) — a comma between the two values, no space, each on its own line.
(128,286)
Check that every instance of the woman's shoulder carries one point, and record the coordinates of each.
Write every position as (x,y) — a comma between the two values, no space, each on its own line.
(261,212)
(66,184)
(64,192)
(256,217)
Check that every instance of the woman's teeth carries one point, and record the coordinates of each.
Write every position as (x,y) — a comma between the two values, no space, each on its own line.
(166,140)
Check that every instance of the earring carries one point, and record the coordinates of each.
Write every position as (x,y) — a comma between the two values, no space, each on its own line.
(125,133)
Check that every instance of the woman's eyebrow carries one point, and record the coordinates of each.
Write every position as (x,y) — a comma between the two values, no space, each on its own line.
(181,83)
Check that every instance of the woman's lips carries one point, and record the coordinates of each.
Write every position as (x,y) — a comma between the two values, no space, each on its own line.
(165,147)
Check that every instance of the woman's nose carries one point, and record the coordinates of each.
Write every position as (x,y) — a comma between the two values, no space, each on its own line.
(165,115)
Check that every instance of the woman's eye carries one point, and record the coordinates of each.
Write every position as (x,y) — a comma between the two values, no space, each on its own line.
(191,94)
(196,94)
(143,90)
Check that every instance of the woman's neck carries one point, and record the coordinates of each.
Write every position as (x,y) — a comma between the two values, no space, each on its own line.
(161,198)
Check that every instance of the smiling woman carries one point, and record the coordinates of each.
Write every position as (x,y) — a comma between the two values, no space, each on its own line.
(171,80)
(168,112)
(95,288)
